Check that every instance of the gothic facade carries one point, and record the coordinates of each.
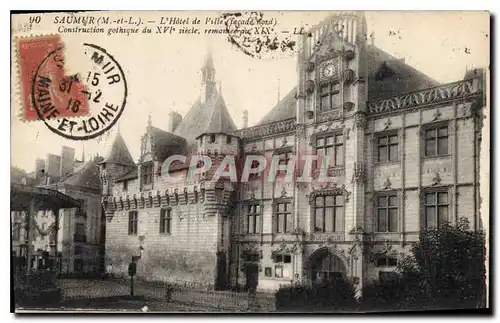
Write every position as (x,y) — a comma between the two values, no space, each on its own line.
(403,155)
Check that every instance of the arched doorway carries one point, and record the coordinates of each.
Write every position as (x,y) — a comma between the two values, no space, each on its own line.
(326,266)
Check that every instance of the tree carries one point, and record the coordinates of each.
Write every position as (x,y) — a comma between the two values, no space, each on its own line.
(449,265)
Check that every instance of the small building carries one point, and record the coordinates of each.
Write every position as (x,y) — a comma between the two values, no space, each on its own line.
(81,234)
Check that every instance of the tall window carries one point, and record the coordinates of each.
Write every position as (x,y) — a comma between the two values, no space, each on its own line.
(284,158)
(16,234)
(253,216)
(387,148)
(332,147)
(330,96)
(125,185)
(165,220)
(147,174)
(82,210)
(436,141)
(283,217)
(132,222)
(387,213)
(328,213)
(436,209)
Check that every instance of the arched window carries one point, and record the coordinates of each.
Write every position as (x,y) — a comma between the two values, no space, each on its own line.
(326,267)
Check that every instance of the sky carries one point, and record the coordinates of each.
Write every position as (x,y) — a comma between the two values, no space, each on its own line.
(163,72)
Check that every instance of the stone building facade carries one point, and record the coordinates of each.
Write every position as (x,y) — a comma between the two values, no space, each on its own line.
(80,241)
(403,155)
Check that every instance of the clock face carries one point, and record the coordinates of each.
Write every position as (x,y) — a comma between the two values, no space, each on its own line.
(330,69)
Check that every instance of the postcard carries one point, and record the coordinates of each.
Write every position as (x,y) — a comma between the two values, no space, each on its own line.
(250,161)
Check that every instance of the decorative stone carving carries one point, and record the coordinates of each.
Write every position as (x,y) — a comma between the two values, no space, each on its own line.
(348,76)
(268,129)
(301,131)
(387,184)
(310,85)
(360,120)
(283,191)
(386,249)
(387,124)
(348,106)
(349,55)
(436,115)
(436,180)
(358,175)
(329,115)
(456,90)
(329,189)
(310,66)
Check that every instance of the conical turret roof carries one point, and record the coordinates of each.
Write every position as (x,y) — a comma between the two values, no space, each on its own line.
(119,153)
(211,116)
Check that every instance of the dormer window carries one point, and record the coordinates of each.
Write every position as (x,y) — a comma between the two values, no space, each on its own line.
(147,174)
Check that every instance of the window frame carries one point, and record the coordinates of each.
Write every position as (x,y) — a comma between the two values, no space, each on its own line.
(133,222)
(334,206)
(256,217)
(287,214)
(387,208)
(387,259)
(165,221)
(436,204)
(278,269)
(436,127)
(147,171)
(334,146)
(387,146)
(330,94)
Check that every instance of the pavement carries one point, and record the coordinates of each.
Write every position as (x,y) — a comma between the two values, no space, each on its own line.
(98,295)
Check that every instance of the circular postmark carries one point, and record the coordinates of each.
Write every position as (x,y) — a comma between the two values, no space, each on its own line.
(98,85)
(257,36)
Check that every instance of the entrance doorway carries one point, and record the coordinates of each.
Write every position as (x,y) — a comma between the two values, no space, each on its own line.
(252,276)
(325,266)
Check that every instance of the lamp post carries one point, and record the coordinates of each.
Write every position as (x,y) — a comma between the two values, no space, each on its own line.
(132,269)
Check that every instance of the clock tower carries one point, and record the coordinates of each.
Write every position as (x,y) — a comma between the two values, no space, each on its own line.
(331,104)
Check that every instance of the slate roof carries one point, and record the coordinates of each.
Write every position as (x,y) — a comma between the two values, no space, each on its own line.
(210,116)
(284,109)
(133,173)
(387,76)
(85,177)
(166,144)
(119,153)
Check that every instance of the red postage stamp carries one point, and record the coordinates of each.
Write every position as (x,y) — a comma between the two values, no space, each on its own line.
(62,95)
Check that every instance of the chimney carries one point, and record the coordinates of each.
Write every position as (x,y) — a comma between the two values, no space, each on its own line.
(245,118)
(174,121)
(67,161)
(53,165)
(39,168)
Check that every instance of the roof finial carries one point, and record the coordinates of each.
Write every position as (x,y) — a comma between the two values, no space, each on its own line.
(150,123)
(372,37)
